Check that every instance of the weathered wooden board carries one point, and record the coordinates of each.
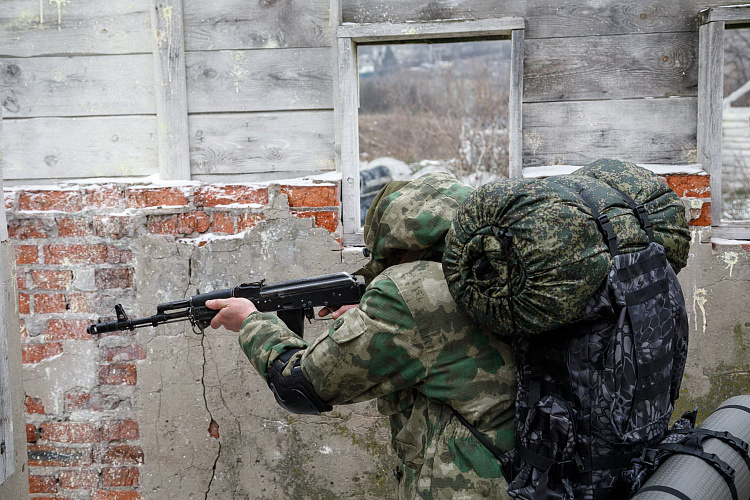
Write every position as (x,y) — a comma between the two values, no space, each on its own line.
(34,27)
(734,14)
(69,148)
(7,447)
(259,80)
(641,130)
(238,24)
(362,33)
(544,18)
(261,143)
(611,67)
(77,86)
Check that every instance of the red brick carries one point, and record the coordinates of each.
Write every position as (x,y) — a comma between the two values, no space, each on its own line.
(115,495)
(24,303)
(214,196)
(213,429)
(327,219)
(42,484)
(58,456)
(701,214)
(49,303)
(112,226)
(31,435)
(689,186)
(70,228)
(311,196)
(182,224)
(66,329)
(104,197)
(117,256)
(78,479)
(75,254)
(113,277)
(24,331)
(222,223)
(21,277)
(116,430)
(33,405)
(113,477)
(104,402)
(9,197)
(77,401)
(122,454)
(36,353)
(51,280)
(27,254)
(132,352)
(22,229)
(118,374)
(69,432)
(63,201)
(154,197)
(248,221)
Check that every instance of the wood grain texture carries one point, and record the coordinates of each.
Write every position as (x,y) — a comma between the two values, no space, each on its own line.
(70,148)
(515,105)
(33,28)
(733,14)
(261,143)
(7,457)
(429,30)
(611,67)
(238,24)
(642,131)
(259,80)
(77,86)
(544,18)
(349,120)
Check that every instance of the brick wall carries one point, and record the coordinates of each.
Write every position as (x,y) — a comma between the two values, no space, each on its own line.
(73,264)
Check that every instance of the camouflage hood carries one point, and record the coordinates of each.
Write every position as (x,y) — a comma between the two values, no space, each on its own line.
(411,216)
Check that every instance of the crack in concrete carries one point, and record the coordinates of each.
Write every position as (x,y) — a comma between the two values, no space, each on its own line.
(205,401)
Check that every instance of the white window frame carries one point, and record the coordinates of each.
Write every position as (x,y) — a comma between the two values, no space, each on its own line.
(346,39)
(712,24)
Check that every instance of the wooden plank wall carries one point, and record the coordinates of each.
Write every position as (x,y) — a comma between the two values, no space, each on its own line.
(91,90)
(601,78)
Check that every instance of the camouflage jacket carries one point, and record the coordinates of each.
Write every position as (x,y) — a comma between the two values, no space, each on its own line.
(409,346)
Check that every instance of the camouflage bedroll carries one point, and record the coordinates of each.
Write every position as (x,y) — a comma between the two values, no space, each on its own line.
(523,256)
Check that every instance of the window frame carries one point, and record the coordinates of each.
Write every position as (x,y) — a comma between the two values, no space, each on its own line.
(348,36)
(712,24)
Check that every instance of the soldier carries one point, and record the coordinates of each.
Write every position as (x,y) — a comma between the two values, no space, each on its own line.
(406,344)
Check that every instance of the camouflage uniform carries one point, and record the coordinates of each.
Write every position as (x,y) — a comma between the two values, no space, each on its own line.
(409,346)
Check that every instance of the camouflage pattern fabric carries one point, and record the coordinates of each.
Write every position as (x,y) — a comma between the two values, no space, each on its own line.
(409,346)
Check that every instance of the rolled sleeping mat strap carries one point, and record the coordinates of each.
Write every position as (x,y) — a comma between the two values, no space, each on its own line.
(684,476)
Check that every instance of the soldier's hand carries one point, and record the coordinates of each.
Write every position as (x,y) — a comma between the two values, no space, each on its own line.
(337,313)
(232,312)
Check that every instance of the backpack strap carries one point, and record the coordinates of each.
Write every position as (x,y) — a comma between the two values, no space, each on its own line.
(641,214)
(480,437)
(605,225)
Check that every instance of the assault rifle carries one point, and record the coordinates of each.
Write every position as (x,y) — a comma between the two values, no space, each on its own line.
(291,300)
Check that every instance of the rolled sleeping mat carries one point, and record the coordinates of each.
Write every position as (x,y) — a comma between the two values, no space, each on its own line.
(688,477)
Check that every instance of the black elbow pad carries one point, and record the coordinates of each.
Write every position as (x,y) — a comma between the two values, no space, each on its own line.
(294,393)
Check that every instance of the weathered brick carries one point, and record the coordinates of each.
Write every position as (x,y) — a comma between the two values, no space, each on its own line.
(213,429)
(113,226)
(31,434)
(113,477)
(154,197)
(105,402)
(49,303)
(700,213)
(58,456)
(115,495)
(222,223)
(689,186)
(117,256)
(78,479)
(68,227)
(36,353)
(66,329)
(130,353)
(33,405)
(9,197)
(21,279)
(24,303)
(69,432)
(118,374)
(311,196)
(113,277)
(181,224)
(104,197)
(24,330)
(75,254)
(49,200)
(248,221)
(121,454)
(22,229)
(77,401)
(27,254)
(325,219)
(214,196)
(42,484)
(116,430)
(51,280)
